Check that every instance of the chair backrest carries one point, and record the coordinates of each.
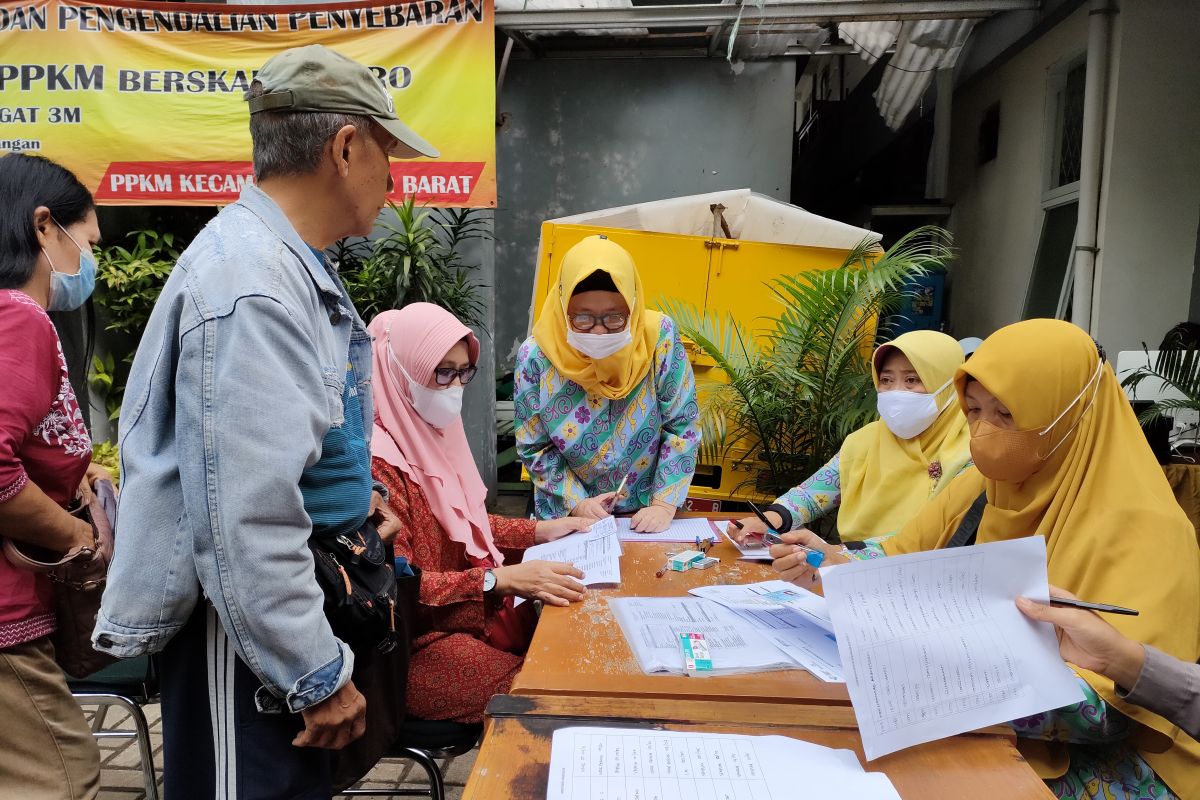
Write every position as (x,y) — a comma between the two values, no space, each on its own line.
(136,678)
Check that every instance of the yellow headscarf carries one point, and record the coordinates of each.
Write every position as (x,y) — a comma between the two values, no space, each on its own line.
(886,480)
(619,374)
(1113,530)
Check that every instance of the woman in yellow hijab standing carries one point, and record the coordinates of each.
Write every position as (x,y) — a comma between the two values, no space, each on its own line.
(888,469)
(1058,453)
(605,398)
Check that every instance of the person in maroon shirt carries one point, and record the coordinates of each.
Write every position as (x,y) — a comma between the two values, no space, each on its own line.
(48,229)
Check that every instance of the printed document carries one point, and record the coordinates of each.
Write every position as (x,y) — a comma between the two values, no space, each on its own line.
(596,552)
(793,619)
(594,763)
(751,549)
(652,626)
(681,530)
(933,644)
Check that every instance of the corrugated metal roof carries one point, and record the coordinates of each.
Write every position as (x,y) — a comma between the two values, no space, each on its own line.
(922,48)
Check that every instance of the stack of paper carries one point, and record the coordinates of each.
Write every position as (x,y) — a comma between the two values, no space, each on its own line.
(596,552)
(933,644)
(605,763)
(794,620)
(652,626)
(681,530)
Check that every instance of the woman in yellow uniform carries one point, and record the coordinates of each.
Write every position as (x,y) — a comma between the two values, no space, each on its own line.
(1058,453)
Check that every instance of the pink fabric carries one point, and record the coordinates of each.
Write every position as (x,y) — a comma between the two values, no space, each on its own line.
(439,461)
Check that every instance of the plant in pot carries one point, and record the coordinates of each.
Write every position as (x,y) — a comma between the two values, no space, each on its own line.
(791,386)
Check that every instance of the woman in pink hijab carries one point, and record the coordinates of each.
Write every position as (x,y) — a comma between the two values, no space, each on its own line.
(470,640)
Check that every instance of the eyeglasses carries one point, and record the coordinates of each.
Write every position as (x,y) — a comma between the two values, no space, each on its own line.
(444,376)
(585,322)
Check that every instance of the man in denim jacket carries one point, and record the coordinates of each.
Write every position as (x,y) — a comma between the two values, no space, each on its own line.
(242,432)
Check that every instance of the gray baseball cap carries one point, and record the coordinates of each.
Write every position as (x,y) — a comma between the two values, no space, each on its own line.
(315,78)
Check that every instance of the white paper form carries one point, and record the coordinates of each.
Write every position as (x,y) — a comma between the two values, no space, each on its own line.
(596,552)
(795,620)
(681,530)
(933,644)
(751,550)
(652,626)
(589,763)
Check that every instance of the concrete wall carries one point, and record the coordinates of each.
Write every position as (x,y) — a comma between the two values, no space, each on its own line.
(1151,190)
(1151,196)
(997,215)
(583,135)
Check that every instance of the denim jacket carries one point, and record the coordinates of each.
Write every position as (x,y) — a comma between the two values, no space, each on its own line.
(239,376)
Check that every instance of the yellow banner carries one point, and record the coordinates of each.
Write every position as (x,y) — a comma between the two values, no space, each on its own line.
(143,101)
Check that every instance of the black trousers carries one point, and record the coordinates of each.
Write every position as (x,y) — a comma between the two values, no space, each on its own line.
(217,745)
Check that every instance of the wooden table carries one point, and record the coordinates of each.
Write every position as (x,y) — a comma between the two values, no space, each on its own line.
(579,650)
(514,760)
(580,671)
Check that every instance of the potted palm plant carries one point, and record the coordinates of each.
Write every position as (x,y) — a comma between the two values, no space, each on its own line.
(790,386)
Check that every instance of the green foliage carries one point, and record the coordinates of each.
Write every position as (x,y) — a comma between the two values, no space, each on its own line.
(106,383)
(106,455)
(418,259)
(793,388)
(1179,370)
(129,280)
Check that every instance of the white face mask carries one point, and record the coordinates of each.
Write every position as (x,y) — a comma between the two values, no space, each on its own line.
(599,345)
(438,407)
(909,414)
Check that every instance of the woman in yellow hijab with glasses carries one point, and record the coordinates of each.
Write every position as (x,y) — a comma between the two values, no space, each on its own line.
(605,399)
(1058,453)
(888,469)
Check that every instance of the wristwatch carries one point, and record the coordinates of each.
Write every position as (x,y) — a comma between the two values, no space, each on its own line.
(489,581)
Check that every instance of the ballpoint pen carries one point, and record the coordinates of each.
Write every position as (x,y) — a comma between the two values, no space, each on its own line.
(814,557)
(619,494)
(1104,607)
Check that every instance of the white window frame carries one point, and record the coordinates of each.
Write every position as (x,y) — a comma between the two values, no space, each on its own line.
(1056,84)
(1055,196)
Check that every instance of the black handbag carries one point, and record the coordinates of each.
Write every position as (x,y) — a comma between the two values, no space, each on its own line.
(357,574)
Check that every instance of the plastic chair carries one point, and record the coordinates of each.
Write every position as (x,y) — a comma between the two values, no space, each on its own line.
(128,684)
(423,741)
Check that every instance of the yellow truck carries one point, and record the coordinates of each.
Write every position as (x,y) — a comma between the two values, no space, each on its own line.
(716,252)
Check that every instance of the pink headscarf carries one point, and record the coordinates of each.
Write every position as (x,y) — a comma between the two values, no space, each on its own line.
(439,461)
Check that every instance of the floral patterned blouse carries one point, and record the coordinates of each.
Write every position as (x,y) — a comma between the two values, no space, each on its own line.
(576,445)
(43,441)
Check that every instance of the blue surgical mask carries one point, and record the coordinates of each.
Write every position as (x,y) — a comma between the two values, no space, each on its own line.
(68,292)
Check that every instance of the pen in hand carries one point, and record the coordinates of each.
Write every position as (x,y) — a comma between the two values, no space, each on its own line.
(1103,607)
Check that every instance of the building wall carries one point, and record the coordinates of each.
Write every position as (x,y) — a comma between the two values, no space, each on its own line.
(1151,197)
(997,214)
(585,135)
(1151,187)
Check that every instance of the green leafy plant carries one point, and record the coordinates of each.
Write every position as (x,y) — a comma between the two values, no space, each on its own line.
(129,280)
(1178,370)
(790,390)
(128,283)
(108,456)
(418,259)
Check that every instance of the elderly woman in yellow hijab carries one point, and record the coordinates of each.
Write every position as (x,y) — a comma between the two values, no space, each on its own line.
(1058,453)
(605,398)
(888,469)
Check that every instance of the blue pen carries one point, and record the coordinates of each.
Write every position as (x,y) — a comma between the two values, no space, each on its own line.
(814,557)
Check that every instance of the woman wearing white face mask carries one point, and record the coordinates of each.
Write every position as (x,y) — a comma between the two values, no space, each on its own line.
(605,395)
(1059,454)
(887,469)
(47,233)
(471,640)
